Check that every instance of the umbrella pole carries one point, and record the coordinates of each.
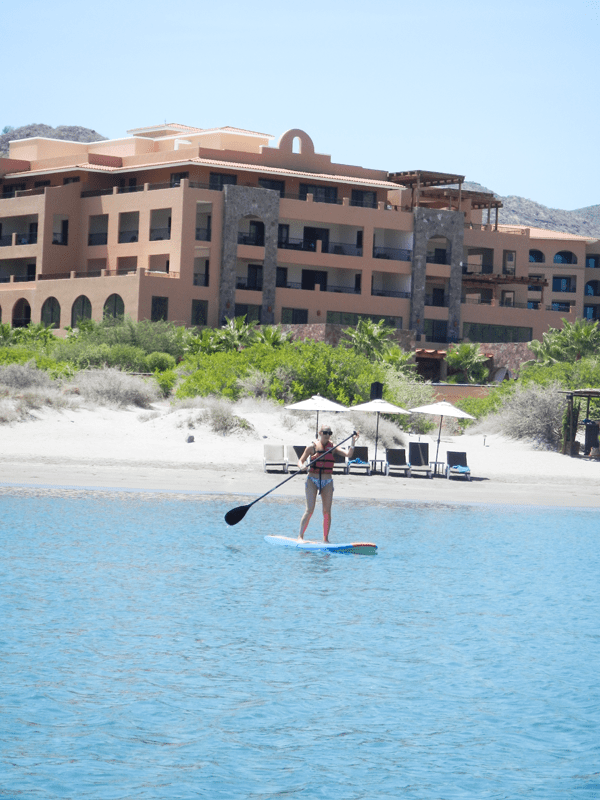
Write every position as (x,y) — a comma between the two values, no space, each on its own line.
(376,437)
(439,437)
(317,431)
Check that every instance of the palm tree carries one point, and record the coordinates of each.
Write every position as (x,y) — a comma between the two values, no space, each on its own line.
(237,334)
(468,361)
(371,339)
(273,336)
(571,343)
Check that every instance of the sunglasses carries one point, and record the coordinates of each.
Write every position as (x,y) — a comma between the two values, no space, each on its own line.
(327,433)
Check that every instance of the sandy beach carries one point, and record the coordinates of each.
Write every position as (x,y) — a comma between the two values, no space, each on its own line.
(149,450)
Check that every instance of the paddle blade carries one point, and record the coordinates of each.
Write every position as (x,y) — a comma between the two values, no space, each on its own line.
(236,515)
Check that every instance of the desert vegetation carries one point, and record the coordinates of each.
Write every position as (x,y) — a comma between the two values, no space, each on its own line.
(214,372)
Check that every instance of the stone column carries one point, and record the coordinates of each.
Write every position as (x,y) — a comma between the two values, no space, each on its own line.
(263,204)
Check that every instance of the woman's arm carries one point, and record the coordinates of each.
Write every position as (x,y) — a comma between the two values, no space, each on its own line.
(350,451)
(309,451)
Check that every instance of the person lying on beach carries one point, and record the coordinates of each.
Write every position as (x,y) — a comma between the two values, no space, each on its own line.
(320,476)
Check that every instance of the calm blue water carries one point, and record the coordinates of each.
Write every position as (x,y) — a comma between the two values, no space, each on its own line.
(149,651)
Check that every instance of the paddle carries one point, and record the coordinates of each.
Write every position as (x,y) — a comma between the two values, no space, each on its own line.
(237,514)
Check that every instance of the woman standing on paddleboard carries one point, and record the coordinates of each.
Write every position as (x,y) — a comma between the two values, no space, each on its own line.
(320,476)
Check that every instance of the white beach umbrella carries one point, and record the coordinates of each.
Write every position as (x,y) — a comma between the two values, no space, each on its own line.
(442,409)
(380,407)
(317,403)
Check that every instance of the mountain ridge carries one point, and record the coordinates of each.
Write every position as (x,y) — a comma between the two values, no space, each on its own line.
(515,211)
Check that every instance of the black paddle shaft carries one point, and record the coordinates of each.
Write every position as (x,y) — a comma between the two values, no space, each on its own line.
(236,515)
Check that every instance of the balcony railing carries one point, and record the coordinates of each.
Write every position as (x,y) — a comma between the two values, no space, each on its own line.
(564,307)
(97,238)
(21,238)
(342,249)
(200,279)
(156,234)
(392,253)
(96,192)
(129,189)
(297,244)
(391,293)
(250,238)
(430,300)
(242,283)
(59,238)
(128,236)
(342,289)
(203,234)
(433,258)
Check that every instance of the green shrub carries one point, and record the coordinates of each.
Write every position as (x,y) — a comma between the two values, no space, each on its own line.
(160,361)
(166,381)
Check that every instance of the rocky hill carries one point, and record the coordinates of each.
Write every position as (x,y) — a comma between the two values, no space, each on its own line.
(71,132)
(515,211)
(519,211)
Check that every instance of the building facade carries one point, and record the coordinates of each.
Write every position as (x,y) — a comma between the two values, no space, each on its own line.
(196,226)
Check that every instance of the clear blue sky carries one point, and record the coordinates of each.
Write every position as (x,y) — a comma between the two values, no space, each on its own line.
(504,93)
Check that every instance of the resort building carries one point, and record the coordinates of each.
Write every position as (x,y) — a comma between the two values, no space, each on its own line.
(196,226)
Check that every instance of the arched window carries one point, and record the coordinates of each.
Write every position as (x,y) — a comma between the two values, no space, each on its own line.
(82,309)
(21,316)
(592,289)
(51,312)
(536,257)
(114,306)
(565,257)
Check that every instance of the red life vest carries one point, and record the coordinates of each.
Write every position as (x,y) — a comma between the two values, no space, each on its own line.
(324,466)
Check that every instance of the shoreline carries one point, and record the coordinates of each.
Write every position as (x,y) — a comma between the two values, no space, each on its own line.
(129,450)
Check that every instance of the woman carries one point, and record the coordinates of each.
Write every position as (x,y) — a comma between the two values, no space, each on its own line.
(320,480)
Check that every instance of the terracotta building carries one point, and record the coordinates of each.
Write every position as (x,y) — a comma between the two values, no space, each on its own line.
(195,226)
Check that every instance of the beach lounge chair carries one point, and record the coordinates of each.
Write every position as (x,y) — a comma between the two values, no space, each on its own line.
(456,464)
(418,458)
(294,451)
(340,464)
(395,460)
(274,456)
(359,461)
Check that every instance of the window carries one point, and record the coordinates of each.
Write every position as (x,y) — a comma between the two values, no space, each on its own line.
(565,257)
(75,179)
(321,194)
(177,177)
(81,309)
(281,277)
(436,330)
(294,316)
(482,332)
(39,184)
(114,307)
(364,199)
(255,277)
(563,284)
(199,313)
(98,229)
(51,312)
(218,180)
(160,309)
(276,186)
(11,188)
(536,257)
(252,313)
(592,262)
(283,234)
(348,318)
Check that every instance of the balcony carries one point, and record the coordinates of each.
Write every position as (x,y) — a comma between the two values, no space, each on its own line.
(342,249)
(392,253)
(20,238)
(60,238)
(249,238)
(203,235)
(297,244)
(97,238)
(439,302)
(438,258)
(201,279)
(244,283)
(159,234)
(391,293)
(128,236)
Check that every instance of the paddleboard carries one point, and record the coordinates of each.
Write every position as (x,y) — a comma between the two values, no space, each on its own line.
(359,548)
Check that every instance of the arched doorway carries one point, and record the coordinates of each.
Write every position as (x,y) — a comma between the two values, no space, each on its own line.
(21,316)
(81,309)
(114,307)
(51,312)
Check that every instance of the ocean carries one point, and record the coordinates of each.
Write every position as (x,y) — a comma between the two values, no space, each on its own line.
(148,650)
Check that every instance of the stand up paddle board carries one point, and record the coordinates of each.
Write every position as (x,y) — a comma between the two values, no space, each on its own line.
(359,548)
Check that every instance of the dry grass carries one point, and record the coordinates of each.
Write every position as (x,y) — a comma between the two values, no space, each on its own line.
(111,387)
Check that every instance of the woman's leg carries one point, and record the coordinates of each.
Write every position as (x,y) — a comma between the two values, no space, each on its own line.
(327,500)
(310,491)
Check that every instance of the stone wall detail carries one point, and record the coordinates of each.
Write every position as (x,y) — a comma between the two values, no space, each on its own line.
(428,223)
(260,204)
